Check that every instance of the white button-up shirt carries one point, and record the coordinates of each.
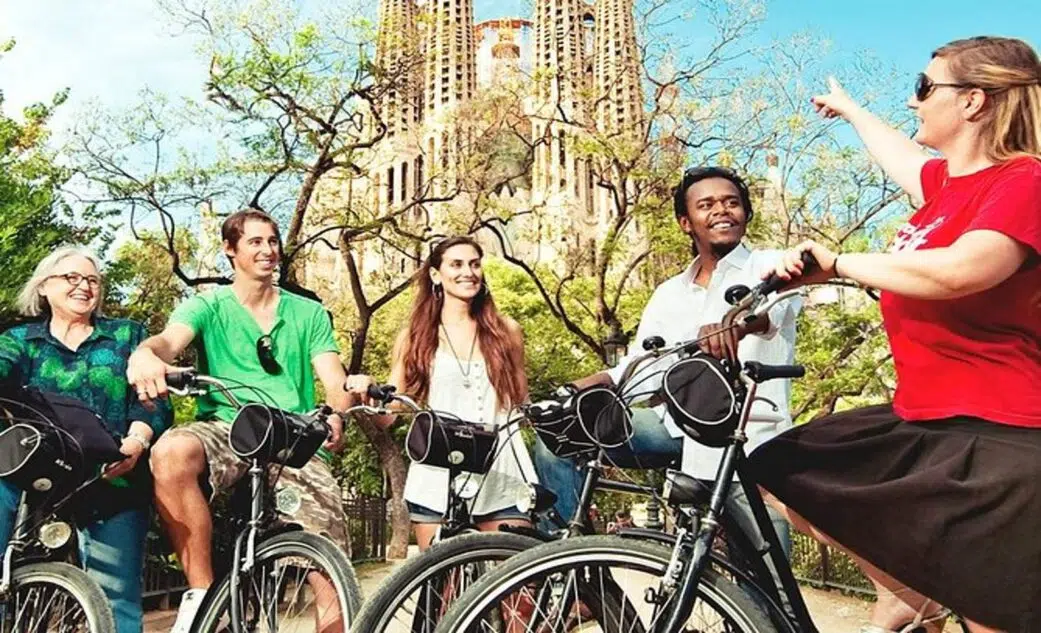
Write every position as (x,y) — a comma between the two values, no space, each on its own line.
(676,312)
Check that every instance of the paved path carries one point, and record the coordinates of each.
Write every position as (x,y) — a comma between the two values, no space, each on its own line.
(832,611)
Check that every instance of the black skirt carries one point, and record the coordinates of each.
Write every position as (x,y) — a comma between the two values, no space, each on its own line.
(950,508)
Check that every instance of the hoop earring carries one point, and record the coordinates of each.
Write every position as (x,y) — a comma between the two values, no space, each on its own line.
(485,291)
(437,290)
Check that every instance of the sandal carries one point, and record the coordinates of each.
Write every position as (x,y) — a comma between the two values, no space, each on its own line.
(919,622)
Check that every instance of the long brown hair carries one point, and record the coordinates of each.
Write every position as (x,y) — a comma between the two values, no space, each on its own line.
(492,334)
(1009,72)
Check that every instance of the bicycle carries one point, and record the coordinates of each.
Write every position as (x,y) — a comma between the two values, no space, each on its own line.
(665,586)
(415,595)
(274,565)
(39,589)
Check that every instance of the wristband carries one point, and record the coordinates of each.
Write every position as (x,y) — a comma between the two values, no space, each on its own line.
(835,266)
(140,439)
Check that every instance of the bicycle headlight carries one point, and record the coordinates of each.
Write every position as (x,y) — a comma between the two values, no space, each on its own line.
(55,534)
(288,500)
(526,497)
(467,487)
(535,498)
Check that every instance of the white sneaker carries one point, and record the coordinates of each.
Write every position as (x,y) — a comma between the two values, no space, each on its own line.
(190,603)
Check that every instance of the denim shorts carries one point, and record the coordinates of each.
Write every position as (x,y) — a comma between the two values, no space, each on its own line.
(423,514)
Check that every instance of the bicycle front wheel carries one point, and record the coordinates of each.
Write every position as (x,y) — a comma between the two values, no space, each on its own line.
(416,595)
(300,582)
(595,584)
(55,597)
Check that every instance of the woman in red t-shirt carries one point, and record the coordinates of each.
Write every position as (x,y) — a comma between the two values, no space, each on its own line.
(942,489)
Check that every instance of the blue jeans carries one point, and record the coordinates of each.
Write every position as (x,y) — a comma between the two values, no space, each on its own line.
(651,446)
(112,552)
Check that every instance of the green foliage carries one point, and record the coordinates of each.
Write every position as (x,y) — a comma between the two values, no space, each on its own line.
(553,356)
(35,219)
(139,280)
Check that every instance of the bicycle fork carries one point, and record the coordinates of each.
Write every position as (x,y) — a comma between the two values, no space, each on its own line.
(675,616)
(245,551)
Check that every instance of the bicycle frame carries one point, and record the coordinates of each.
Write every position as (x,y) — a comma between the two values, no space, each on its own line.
(18,542)
(246,541)
(24,528)
(675,615)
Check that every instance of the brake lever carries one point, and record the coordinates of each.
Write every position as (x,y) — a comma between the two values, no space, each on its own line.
(773,405)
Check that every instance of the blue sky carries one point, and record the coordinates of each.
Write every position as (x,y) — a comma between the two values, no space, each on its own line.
(108,50)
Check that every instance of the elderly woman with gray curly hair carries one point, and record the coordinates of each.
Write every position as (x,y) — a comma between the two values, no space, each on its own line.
(68,347)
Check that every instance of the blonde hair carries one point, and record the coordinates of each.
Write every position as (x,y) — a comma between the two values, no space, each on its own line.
(1009,72)
(31,303)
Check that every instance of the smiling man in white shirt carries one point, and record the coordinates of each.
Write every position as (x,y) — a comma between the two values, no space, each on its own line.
(712,206)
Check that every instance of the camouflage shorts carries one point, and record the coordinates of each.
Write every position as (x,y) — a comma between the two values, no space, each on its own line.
(321,508)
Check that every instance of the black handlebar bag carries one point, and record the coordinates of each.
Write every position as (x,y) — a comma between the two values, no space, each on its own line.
(274,436)
(51,442)
(703,398)
(438,439)
(593,418)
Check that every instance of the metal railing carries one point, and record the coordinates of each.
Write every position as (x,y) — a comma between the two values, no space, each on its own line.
(366,525)
(818,565)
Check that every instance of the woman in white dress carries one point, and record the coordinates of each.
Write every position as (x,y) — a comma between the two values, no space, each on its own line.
(460,356)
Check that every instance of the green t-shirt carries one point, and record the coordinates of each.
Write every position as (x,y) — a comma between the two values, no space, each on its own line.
(226,336)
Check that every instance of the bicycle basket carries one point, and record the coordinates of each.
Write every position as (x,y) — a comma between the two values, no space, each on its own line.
(51,441)
(592,419)
(702,400)
(437,439)
(275,436)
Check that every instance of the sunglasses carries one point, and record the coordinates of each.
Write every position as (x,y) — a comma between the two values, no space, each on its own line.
(924,86)
(266,355)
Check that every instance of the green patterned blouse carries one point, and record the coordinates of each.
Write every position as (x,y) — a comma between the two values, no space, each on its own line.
(94,374)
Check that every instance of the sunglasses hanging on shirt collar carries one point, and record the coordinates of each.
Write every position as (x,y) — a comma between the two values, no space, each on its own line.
(266,355)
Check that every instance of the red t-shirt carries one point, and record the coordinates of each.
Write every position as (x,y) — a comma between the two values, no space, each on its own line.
(978,355)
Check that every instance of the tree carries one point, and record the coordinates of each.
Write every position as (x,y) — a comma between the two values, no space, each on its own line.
(139,283)
(734,103)
(36,219)
(293,101)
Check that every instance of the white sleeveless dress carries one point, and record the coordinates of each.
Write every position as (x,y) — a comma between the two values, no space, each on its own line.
(427,486)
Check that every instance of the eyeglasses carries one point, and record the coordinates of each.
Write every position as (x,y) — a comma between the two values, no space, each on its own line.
(266,355)
(924,86)
(75,279)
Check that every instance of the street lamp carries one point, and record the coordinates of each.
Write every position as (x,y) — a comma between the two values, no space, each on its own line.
(615,345)
(653,507)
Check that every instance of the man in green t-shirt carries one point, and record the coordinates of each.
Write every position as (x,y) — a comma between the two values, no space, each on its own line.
(250,333)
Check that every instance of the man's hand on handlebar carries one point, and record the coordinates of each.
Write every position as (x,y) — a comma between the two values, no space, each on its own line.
(719,341)
(358,386)
(335,441)
(792,265)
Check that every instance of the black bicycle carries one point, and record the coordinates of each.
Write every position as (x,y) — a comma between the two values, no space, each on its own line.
(678,584)
(39,589)
(582,425)
(279,578)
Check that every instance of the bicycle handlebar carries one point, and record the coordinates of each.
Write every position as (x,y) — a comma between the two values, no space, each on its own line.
(190,382)
(384,394)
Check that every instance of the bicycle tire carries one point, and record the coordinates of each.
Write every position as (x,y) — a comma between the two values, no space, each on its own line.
(84,589)
(380,611)
(292,546)
(554,558)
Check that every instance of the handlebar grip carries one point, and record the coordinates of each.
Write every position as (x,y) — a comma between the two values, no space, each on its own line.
(773,283)
(181,379)
(761,373)
(653,342)
(381,392)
